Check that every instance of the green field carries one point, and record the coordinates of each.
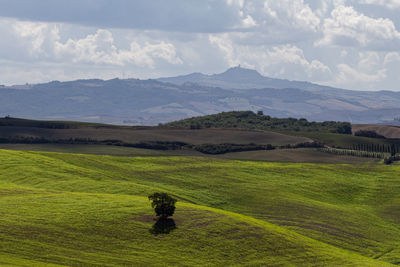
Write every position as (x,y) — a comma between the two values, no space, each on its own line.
(75,209)
(301,155)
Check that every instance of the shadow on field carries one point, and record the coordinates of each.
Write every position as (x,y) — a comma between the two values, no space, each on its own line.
(163,226)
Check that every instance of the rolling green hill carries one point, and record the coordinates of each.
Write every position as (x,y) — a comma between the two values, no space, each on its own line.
(74,209)
(331,133)
(251,120)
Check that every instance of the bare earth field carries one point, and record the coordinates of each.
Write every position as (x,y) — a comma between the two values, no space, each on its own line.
(385,130)
(143,134)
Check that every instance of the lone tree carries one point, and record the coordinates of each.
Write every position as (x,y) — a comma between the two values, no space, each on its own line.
(163,204)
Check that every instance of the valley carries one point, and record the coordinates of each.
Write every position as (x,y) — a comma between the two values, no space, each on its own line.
(78,192)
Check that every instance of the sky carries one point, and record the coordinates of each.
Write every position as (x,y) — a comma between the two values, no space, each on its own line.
(342,43)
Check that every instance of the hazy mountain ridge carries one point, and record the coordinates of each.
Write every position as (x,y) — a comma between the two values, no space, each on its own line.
(242,78)
(149,102)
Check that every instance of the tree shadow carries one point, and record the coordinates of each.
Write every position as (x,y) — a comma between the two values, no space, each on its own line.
(163,226)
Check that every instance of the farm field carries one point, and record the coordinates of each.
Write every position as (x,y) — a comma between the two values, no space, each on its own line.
(26,128)
(301,155)
(76,209)
(97,150)
(385,130)
(344,140)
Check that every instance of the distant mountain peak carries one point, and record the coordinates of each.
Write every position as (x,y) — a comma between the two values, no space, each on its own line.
(243,78)
(240,73)
(238,70)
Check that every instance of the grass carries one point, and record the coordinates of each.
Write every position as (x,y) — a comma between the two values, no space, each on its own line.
(75,209)
(101,229)
(301,155)
(94,149)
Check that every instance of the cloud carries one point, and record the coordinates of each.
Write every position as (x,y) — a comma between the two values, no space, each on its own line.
(324,41)
(347,27)
(294,14)
(249,22)
(369,61)
(38,72)
(391,4)
(365,74)
(172,15)
(391,57)
(43,42)
(277,61)
(38,38)
(348,74)
(100,48)
(208,16)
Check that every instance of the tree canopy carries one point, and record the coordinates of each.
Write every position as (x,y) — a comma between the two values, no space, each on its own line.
(163,204)
(251,120)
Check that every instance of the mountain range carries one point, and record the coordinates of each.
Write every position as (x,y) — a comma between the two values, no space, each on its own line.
(149,102)
(242,78)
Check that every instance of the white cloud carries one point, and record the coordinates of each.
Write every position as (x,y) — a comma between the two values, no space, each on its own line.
(365,74)
(347,75)
(279,61)
(249,22)
(239,3)
(391,57)
(347,27)
(100,48)
(43,41)
(38,37)
(369,61)
(292,13)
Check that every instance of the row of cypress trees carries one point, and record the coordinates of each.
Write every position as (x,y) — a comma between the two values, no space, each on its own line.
(381,148)
(357,153)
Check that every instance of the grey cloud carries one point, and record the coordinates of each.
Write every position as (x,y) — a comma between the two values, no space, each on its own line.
(147,39)
(172,15)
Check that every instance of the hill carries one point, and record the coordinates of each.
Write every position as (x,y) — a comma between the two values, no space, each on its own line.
(149,102)
(215,134)
(329,133)
(92,210)
(384,130)
(251,120)
(242,78)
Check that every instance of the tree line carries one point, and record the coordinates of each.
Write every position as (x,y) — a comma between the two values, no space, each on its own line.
(392,149)
(251,120)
